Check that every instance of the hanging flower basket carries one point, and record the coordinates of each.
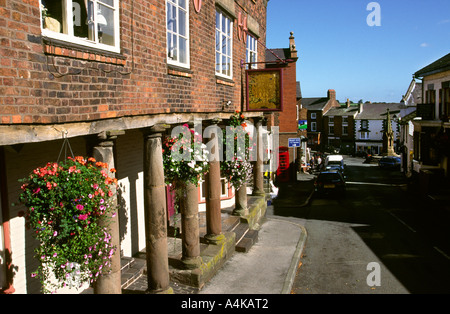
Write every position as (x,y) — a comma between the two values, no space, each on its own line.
(69,204)
(185,158)
(238,169)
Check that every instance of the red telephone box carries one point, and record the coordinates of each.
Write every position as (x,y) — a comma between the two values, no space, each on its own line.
(283,164)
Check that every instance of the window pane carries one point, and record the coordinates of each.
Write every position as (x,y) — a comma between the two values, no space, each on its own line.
(217,20)
(80,19)
(174,19)
(217,62)
(217,40)
(224,65)
(182,23)
(182,3)
(170,21)
(223,23)
(54,11)
(224,44)
(105,24)
(169,45)
(183,50)
(108,2)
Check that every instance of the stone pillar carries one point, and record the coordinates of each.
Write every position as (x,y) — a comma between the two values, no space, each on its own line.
(104,152)
(190,233)
(213,189)
(258,175)
(155,214)
(240,207)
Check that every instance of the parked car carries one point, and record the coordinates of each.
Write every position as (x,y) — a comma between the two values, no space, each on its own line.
(330,181)
(335,162)
(389,162)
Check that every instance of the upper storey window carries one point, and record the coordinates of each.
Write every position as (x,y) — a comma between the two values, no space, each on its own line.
(224,45)
(92,23)
(252,51)
(177,15)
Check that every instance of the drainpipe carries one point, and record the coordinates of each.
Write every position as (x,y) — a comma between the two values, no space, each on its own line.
(9,289)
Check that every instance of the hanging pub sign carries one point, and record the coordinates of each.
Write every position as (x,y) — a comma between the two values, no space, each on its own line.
(264,90)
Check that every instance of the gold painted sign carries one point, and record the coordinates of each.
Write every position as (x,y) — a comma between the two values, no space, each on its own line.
(264,90)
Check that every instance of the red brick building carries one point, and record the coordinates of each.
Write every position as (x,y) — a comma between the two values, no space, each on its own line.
(286,120)
(99,70)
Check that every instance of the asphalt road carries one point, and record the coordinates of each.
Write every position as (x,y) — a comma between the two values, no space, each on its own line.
(379,238)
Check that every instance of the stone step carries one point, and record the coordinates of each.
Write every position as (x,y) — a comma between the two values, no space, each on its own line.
(247,241)
(131,270)
(245,237)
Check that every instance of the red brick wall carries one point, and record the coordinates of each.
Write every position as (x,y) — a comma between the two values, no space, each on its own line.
(31,91)
(288,118)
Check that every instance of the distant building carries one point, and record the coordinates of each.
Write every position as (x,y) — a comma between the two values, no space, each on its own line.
(432,126)
(370,125)
(339,128)
(317,107)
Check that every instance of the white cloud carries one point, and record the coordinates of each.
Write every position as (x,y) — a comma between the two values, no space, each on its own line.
(444,21)
(424,45)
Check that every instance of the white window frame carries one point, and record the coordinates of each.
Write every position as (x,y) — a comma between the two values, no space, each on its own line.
(313,126)
(228,33)
(364,135)
(251,50)
(67,34)
(313,115)
(177,34)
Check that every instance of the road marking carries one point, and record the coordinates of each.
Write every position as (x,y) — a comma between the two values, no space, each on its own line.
(375,183)
(442,252)
(404,223)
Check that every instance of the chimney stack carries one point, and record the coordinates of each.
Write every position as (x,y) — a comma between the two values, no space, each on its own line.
(292,48)
(331,94)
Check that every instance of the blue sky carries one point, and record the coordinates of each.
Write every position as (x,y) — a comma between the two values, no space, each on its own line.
(338,50)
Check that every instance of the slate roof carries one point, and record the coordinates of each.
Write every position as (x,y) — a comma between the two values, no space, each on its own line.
(377,111)
(282,53)
(441,65)
(317,103)
(343,111)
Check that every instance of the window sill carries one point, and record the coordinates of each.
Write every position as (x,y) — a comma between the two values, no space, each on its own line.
(179,71)
(76,51)
(224,81)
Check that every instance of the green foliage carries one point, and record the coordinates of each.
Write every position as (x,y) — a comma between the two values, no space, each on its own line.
(237,168)
(185,158)
(69,205)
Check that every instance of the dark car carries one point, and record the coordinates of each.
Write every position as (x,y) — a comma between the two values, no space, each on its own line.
(389,162)
(340,168)
(330,181)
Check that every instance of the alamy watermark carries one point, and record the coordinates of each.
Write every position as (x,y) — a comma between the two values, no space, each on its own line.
(374,277)
(374,17)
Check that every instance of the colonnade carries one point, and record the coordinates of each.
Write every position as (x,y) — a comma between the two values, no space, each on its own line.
(156,211)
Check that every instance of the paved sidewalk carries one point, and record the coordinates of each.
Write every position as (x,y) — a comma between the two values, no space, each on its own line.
(268,268)
(271,264)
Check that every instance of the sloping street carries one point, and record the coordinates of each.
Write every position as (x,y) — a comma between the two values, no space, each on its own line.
(379,221)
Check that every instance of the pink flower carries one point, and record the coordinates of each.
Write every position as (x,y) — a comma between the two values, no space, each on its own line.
(82,217)
(80,207)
